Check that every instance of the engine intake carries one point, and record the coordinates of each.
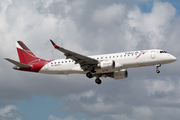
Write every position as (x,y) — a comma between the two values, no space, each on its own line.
(120,74)
(108,64)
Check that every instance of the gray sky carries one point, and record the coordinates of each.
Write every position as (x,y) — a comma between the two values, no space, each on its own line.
(89,28)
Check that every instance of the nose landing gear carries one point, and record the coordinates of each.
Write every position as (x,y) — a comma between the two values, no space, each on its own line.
(158,71)
(157,68)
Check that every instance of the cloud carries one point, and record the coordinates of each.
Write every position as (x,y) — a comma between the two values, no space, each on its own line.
(108,14)
(131,99)
(11,112)
(155,23)
(142,112)
(52,117)
(92,27)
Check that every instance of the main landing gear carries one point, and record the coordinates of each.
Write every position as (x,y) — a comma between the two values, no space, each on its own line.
(157,68)
(97,80)
(91,70)
(89,75)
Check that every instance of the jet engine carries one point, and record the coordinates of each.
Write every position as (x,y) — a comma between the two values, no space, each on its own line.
(120,74)
(107,64)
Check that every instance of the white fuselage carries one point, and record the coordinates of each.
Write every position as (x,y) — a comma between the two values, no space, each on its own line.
(122,61)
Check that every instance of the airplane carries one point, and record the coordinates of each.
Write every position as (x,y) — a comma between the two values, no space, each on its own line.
(106,65)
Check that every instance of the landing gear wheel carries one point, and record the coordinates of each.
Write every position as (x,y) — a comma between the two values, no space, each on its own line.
(158,71)
(157,67)
(89,75)
(98,81)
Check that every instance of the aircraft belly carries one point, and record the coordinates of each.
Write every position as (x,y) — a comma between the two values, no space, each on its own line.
(130,64)
(151,62)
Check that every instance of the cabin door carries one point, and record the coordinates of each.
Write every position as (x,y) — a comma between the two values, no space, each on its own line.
(46,65)
(152,54)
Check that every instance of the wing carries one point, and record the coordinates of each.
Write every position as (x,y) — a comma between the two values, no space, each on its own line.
(78,58)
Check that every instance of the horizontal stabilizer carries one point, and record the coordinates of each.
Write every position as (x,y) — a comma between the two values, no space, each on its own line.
(21,65)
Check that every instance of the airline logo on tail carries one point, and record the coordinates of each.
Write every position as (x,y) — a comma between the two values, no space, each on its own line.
(28,61)
(25,54)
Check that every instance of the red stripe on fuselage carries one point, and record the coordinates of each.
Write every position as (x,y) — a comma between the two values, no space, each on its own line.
(36,67)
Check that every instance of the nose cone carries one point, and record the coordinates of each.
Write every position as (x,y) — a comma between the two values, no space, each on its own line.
(173,58)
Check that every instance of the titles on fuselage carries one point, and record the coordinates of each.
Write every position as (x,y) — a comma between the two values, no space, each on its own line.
(132,52)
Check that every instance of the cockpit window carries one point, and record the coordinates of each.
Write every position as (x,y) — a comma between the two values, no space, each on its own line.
(163,52)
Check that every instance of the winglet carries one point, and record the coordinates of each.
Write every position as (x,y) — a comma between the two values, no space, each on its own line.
(55,46)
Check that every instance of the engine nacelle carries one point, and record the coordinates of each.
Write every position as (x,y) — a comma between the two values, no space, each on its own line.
(120,74)
(107,64)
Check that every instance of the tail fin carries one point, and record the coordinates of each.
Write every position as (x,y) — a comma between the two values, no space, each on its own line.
(25,54)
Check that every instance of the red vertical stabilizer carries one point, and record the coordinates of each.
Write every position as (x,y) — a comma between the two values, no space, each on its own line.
(25,54)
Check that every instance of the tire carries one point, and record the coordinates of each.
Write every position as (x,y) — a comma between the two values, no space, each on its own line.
(158,71)
(98,81)
(89,75)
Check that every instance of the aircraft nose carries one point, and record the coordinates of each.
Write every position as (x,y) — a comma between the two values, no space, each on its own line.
(173,58)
